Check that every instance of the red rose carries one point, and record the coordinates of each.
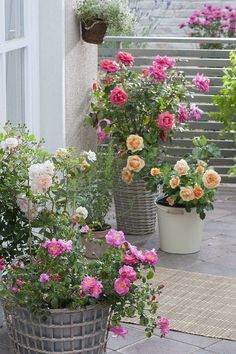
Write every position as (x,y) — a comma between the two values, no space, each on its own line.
(109,66)
(118,96)
(125,58)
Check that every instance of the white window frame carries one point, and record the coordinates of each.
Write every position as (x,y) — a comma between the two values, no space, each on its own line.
(30,43)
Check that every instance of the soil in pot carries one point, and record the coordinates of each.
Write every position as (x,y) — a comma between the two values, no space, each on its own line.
(96,250)
(95,33)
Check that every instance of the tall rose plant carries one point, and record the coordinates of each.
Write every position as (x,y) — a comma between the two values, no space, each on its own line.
(142,110)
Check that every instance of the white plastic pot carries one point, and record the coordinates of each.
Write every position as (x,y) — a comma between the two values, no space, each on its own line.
(180,232)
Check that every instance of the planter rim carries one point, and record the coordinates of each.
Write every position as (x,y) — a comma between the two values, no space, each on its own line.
(97,21)
(65,310)
(157,202)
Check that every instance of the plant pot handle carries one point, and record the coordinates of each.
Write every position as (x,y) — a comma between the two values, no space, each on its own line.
(92,25)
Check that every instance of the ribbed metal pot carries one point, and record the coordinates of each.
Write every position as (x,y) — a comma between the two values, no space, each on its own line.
(64,331)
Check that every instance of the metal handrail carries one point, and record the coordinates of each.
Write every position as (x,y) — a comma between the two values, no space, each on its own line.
(170,39)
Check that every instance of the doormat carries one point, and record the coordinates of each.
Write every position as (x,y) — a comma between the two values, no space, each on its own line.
(197,303)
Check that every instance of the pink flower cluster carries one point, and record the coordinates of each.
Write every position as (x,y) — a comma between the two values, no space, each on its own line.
(115,238)
(112,67)
(2,263)
(191,113)
(158,68)
(134,256)
(214,19)
(57,247)
(119,331)
(91,286)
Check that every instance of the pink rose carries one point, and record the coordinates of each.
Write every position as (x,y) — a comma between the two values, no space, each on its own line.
(119,331)
(201,82)
(127,272)
(115,238)
(118,96)
(195,112)
(121,286)
(157,72)
(165,121)
(14,290)
(167,62)
(44,277)
(182,114)
(19,282)
(130,259)
(92,286)
(164,325)
(150,257)
(125,58)
(109,66)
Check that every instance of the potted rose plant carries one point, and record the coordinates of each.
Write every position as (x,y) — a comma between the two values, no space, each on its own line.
(97,16)
(212,21)
(189,187)
(56,300)
(140,111)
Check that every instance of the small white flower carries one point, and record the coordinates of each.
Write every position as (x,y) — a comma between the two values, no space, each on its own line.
(81,212)
(10,143)
(91,155)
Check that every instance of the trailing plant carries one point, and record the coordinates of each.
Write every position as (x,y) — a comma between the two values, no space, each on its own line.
(115,14)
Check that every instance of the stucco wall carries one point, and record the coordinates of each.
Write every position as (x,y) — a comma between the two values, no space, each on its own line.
(80,72)
(161,17)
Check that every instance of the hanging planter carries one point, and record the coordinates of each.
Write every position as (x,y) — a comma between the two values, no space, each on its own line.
(135,208)
(64,331)
(180,232)
(94,33)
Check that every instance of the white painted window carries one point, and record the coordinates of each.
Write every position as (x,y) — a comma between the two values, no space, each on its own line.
(19,92)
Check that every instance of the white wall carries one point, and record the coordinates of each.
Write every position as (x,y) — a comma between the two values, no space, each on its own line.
(68,66)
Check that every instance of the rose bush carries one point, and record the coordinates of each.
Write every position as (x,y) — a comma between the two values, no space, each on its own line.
(141,110)
(190,183)
(58,276)
(212,21)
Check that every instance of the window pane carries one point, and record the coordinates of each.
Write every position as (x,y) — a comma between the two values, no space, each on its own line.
(14,19)
(15,86)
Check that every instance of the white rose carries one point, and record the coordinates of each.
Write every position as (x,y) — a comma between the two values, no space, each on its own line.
(81,212)
(48,168)
(10,143)
(34,170)
(26,206)
(91,156)
(181,167)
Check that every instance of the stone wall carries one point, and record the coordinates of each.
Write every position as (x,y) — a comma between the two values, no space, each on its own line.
(161,17)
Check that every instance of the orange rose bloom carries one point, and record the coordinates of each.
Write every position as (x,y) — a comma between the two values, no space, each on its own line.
(170,201)
(199,170)
(126,176)
(174,182)
(134,143)
(135,163)
(211,179)
(186,193)
(198,192)
(155,171)
(181,167)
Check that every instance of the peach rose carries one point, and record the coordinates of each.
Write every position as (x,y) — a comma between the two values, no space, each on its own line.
(199,170)
(198,192)
(186,193)
(181,167)
(135,163)
(174,182)
(126,176)
(170,201)
(211,179)
(201,163)
(155,171)
(134,143)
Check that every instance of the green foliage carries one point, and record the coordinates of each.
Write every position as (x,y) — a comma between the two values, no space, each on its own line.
(115,14)
(225,101)
(94,188)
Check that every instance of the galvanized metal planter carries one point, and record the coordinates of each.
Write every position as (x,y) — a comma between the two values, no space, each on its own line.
(64,331)
(135,208)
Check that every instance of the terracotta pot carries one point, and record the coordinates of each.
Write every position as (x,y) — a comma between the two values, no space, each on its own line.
(94,33)
(95,250)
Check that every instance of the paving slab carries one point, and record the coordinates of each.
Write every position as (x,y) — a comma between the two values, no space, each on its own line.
(223,347)
(199,341)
